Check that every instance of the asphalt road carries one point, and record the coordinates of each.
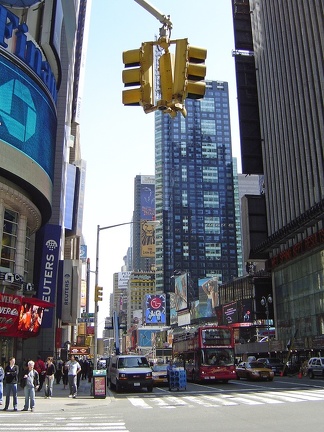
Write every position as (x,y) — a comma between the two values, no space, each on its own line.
(287,404)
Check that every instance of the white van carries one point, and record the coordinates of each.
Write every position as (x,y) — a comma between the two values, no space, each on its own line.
(129,372)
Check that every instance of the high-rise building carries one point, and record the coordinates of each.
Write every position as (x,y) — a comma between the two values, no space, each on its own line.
(280,77)
(194,192)
(41,171)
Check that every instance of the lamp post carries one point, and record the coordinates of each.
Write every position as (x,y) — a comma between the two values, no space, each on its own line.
(265,301)
(99,228)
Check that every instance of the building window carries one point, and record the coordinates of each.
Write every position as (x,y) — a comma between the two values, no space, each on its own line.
(9,240)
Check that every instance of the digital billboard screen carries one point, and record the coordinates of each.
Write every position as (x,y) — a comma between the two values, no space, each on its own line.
(27,115)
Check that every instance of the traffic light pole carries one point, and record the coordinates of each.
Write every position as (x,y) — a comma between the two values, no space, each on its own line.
(95,350)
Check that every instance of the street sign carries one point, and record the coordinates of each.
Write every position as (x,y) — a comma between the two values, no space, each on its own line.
(85,320)
(87,314)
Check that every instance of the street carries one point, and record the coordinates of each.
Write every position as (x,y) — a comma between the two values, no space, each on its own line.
(287,403)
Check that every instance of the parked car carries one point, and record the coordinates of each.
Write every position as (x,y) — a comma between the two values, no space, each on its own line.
(254,371)
(315,367)
(272,363)
(160,374)
(127,372)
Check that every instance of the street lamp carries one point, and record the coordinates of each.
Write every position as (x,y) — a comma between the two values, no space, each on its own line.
(265,301)
(95,353)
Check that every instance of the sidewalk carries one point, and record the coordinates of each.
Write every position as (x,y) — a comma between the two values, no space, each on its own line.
(60,400)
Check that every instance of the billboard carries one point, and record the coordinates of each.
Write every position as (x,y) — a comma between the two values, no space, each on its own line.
(30,130)
(208,296)
(21,316)
(147,239)
(155,309)
(123,278)
(147,201)
(181,292)
(49,260)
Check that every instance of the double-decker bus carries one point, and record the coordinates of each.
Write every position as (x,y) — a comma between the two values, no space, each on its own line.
(206,352)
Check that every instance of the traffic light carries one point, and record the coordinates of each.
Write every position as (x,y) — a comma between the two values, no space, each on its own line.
(166,79)
(196,72)
(138,73)
(98,293)
(189,71)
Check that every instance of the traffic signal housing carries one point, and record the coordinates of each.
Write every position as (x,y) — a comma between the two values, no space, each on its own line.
(189,71)
(138,74)
(98,293)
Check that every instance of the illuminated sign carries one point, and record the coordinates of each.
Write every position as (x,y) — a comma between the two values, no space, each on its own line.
(32,131)
(155,311)
(25,49)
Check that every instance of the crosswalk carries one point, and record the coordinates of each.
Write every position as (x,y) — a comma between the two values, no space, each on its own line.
(36,423)
(229,399)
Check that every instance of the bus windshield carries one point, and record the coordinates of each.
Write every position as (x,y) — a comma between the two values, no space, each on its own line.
(217,357)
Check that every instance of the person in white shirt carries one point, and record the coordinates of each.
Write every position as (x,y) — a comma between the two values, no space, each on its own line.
(73,368)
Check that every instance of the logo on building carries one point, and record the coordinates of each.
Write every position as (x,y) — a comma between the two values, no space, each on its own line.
(51,244)
(18,111)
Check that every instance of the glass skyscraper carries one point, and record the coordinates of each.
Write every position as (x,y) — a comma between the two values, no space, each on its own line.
(195,199)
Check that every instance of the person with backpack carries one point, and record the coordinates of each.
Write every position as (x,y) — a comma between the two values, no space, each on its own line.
(49,377)
(30,382)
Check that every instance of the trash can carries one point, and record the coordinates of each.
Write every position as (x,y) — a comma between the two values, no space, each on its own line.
(99,386)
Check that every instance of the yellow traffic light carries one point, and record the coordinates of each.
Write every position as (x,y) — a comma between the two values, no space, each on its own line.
(98,293)
(166,79)
(180,69)
(196,72)
(189,71)
(138,73)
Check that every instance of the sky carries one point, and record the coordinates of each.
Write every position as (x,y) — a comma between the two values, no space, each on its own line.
(117,142)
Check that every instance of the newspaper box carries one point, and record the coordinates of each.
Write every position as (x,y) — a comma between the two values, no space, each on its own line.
(99,387)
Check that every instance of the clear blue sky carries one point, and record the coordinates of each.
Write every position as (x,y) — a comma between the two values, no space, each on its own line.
(117,142)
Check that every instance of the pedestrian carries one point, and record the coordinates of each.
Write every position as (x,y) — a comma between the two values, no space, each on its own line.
(74,369)
(49,377)
(41,369)
(64,375)
(78,374)
(11,376)
(30,384)
(1,383)
(59,371)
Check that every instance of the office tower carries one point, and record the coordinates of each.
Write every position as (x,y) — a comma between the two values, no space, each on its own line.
(41,171)
(194,192)
(280,77)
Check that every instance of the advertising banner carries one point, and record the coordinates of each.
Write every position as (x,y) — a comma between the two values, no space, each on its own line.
(147,201)
(155,309)
(21,316)
(123,278)
(48,269)
(208,297)
(147,239)
(181,292)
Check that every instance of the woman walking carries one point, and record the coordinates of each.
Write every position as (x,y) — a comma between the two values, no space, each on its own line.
(49,377)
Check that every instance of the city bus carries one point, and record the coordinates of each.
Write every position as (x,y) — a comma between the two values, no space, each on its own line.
(206,353)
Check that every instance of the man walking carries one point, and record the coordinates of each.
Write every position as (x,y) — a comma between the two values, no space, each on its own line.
(31,383)
(11,375)
(74,369)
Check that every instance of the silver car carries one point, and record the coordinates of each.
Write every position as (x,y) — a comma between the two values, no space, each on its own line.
(316,367)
